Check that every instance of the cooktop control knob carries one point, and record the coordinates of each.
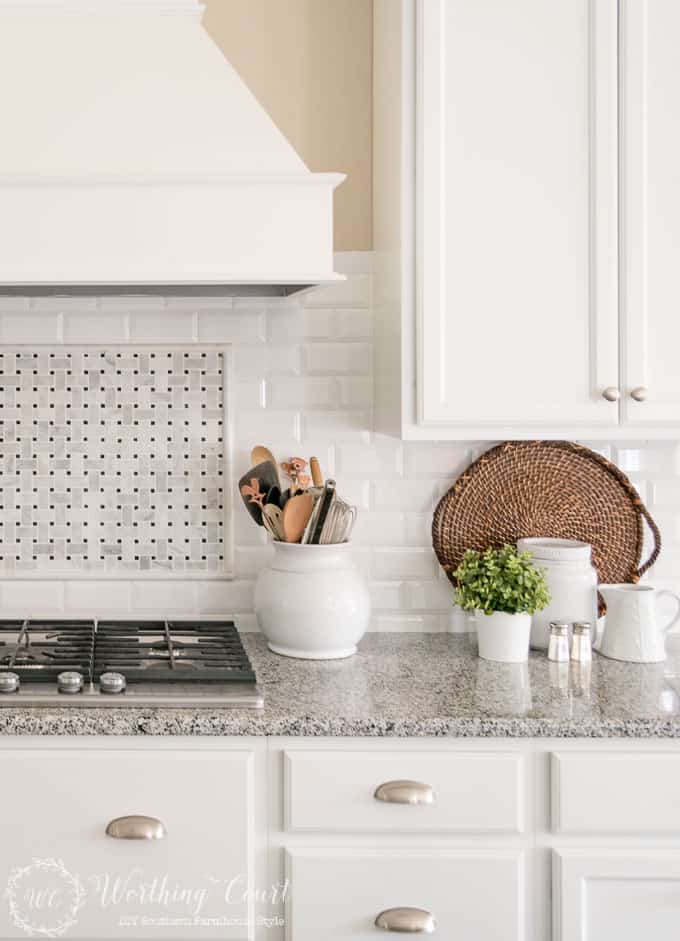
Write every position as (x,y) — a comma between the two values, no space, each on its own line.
(112,683)
(70,681)
(9,682)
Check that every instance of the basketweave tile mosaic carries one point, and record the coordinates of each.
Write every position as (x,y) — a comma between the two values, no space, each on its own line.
(112,460)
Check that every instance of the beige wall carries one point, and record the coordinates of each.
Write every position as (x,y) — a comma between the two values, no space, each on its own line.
(309,62)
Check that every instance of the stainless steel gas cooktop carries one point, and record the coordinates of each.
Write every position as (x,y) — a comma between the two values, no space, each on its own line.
(125,663)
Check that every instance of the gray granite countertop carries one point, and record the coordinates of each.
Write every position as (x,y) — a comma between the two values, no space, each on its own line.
(407,685)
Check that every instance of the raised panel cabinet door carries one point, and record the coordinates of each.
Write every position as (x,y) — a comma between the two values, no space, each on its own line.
(468,893)
(517,284)
(178,862)
(650,210)
(616,895)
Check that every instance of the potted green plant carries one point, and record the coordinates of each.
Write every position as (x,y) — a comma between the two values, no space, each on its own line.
(503,589)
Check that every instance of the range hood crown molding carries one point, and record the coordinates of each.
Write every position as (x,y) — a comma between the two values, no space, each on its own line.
(164,175)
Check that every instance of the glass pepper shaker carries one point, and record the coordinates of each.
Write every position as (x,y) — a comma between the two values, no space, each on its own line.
(558,643)
(581,644)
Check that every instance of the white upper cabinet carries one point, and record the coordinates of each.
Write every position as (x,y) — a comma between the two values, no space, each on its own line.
(650,222)
(516,234)
(502,308)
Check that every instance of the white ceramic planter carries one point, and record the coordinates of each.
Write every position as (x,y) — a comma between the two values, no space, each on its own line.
(311,602)
(503,637)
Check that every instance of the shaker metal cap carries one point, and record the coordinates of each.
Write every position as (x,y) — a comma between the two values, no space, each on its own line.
(558,627)
(582,627)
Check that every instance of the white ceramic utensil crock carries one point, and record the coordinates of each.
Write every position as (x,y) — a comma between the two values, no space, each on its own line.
(631,630)
(311,601)
(572,583)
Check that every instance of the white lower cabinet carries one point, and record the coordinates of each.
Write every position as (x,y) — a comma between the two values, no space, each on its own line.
(617,895)
(339,893)
(303,839)
(64,874)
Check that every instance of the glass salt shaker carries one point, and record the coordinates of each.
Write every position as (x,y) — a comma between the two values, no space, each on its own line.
(558,644)
(581,644)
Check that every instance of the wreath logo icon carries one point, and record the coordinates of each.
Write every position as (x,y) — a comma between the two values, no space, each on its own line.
(44,898)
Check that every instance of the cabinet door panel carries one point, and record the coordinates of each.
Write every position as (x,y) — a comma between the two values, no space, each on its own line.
(622,894)
(57,807)
(517,212)
(650,71)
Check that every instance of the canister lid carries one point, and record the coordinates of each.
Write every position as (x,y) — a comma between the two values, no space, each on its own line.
(555,550)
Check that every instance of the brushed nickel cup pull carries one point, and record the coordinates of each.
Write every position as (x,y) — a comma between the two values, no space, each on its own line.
(640,393)
(136,828)
(611,394)
(406,921)
(404,792)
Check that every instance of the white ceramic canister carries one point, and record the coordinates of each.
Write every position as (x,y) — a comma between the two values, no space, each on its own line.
(572,583)
(312,602)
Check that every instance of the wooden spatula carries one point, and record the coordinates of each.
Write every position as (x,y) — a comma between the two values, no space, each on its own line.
(296,515)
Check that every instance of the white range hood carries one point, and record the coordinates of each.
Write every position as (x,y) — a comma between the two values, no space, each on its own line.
(134,160)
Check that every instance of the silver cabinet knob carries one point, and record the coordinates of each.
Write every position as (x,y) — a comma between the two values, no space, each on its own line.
(112,683)
(406,921)
(70,682)
(640,393)
(136,828)
(611,394)
(404,792)
(9,682)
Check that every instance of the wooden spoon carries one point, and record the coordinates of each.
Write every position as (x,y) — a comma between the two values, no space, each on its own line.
(296,515)
(315,468)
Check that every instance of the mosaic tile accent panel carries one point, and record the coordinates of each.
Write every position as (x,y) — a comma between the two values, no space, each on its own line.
(112,460)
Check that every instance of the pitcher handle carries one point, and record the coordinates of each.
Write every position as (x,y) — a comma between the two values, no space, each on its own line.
(674,620)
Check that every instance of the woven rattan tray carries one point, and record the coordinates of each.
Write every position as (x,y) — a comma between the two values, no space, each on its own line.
(546,488)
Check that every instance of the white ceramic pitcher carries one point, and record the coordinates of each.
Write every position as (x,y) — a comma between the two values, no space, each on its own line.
(632,631)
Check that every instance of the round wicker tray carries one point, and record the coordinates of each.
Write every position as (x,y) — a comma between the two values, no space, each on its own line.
(546,488)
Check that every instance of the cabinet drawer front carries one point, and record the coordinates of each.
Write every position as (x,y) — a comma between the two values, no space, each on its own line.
(57,805)
(616,894)
(339,893)
(335,791)
(618,791)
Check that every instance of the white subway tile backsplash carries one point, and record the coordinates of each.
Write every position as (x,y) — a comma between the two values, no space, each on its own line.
(271,359)
(432,594)
(381,458)
(337,358)
(666,492)
(256,427)
(417,496)
(30,328)
(378,529)
(164,599)
(92,597)
(28,598)
(355,392)
(295,323)
(404,563)
(301,384)
(353,324)
(435,460)
(336,426)
(96,326)
(162,325)
(231,326)
(303,392)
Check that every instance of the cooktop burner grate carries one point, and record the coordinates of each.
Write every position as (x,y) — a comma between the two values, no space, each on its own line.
(38,650)
(168,651)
